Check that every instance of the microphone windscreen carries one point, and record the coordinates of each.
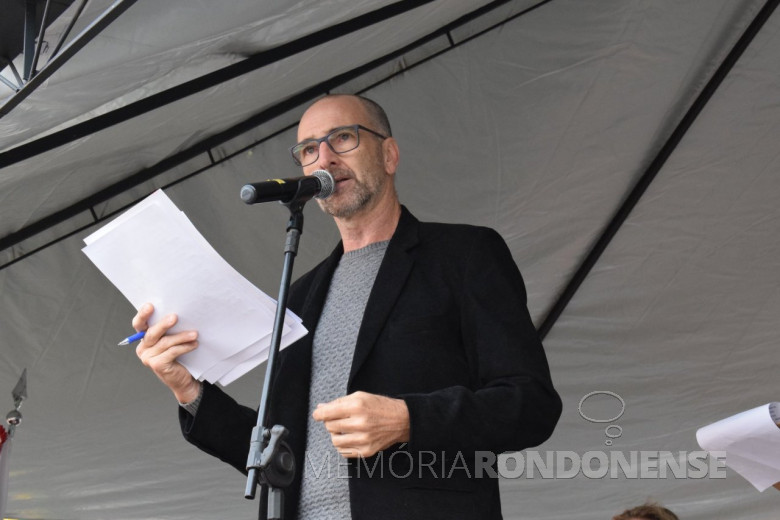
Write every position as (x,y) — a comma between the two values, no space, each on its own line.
(327,184)
(248,193)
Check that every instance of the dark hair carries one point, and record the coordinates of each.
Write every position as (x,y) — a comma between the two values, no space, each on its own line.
(378,114)
(647,511)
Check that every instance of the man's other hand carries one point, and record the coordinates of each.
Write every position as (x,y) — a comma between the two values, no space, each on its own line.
(362,424)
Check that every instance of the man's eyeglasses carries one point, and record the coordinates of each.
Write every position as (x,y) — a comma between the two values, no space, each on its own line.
(341,140)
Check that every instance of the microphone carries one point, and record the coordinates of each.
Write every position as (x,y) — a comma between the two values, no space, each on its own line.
(318,185)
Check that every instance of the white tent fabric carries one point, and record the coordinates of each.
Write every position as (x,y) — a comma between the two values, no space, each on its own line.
(538,127)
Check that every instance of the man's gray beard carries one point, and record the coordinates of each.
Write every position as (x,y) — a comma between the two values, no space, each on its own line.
(361,194)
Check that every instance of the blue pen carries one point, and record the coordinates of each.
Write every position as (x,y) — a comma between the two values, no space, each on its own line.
(134,337)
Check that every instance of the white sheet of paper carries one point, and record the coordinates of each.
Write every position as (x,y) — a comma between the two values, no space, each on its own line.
(241,363)
(153,253)
(751,440)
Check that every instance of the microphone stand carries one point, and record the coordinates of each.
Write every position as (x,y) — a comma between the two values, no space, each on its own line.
(271,462)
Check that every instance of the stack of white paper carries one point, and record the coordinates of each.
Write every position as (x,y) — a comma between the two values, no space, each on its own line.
(152,253)
(751,441)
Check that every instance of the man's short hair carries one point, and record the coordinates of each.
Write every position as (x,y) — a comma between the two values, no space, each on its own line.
(648,511)
(378,114)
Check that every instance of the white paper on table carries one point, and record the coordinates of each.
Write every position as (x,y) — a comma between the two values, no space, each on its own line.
(751,440)
(153,253)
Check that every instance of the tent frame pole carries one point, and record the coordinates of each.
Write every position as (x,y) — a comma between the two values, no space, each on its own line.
(29,37)
(33,80)
(65,34)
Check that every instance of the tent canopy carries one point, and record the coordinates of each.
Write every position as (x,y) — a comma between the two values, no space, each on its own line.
(625,150)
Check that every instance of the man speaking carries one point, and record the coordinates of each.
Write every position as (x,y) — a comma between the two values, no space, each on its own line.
(423,364)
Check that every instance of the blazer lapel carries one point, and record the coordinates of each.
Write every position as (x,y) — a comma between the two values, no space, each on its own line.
(315,300)
(390,280)
(294,391)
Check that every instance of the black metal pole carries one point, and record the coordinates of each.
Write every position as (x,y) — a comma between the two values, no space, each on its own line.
(89,33)
(69,28)
(266,446)
(29,37)
(41,34)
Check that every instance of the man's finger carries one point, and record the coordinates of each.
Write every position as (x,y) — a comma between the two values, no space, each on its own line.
(331,411)
(344,406)
(170,354)
(347,425)
(141,319)
(164,361)
(158,330)
(165,343)
(346,440)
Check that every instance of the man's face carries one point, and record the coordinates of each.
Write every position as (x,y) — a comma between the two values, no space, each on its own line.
(360,174)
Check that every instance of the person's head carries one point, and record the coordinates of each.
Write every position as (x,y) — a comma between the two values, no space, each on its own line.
(364,174)
(647,511)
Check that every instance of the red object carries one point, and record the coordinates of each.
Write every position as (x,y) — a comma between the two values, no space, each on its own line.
(3,437)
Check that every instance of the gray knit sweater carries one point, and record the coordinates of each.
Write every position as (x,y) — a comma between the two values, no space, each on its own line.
(324,489)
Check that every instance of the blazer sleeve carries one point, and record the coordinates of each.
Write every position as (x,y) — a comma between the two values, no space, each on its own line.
(513,405)
(221,427)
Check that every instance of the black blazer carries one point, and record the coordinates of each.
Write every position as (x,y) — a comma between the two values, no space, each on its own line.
(446,328)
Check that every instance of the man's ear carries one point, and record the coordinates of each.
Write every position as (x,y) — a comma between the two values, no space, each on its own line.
(391,154)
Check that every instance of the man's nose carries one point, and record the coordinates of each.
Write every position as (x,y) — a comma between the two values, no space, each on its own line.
(327,155)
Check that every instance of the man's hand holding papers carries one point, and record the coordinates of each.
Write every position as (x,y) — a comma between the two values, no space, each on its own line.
(177,271)
(160,353)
